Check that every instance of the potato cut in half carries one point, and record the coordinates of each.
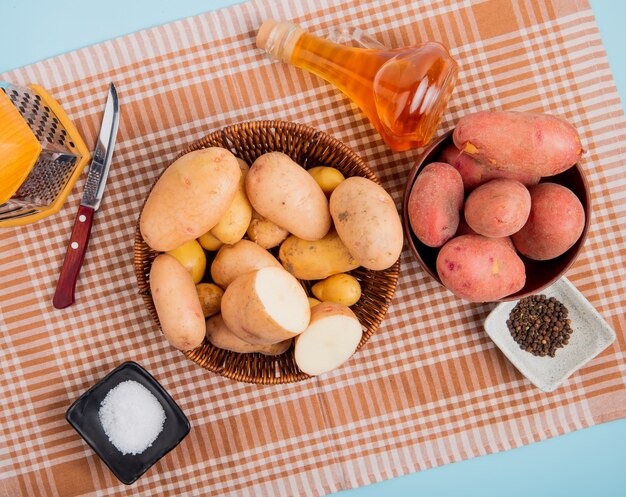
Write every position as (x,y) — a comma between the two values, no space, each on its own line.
(219,335)
(330,339)
(266,306)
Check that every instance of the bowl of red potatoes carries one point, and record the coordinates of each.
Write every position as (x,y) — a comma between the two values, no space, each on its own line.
(499,208)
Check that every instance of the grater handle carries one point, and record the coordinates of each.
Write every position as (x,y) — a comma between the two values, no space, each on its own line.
(64,293)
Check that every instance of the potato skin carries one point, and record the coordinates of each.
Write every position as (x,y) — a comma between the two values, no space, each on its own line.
(497,208)
(189,198)
(367,222)
(465,229)
(233,224)
(219,335)
(480,269)
(327,177)
(192,257)
(283,192)
(316,260)
(340,288)
(243,257)
(210,296)
(474,173)
(555,223)
(264,232)
(533,144)
(176,302)
(435,203)
(209,242)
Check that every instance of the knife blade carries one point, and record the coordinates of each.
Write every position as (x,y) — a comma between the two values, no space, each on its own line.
(90,202)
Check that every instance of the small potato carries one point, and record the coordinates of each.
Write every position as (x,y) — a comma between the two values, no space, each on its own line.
(209,242)
(189,198)
(266,306)
(532,144)
(435,203)
(233,224)
(192,257)
(480,269)
(219,335)
(313,302)
(555,223)
(327,177)
(316,260)
(340,288)
(498,208)
(234,260)
(210,296)
(283,192)
(264,232)
(176,302)
(330,339)
(367,222)
(475,173)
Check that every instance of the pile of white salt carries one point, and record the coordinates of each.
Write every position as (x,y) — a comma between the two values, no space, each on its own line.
(132,417)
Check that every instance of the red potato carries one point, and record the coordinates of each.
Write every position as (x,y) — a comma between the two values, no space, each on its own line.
(475,173)
(465,229)
(532,144)
(435,203)
(497,208)
(480,269)
(506,240)
(555,223)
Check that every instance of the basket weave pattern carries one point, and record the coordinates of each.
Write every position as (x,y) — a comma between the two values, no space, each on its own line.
(309,148)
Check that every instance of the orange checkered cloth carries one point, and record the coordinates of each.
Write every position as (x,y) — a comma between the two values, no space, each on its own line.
(429,388)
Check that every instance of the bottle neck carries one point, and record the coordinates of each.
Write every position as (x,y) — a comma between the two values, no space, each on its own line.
(279,39)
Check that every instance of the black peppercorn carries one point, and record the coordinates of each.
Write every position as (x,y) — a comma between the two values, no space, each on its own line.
(540,325)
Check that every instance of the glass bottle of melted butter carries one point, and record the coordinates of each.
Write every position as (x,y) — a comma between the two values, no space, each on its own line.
(403,92)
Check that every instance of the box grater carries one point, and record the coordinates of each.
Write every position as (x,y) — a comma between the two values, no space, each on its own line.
(41,154)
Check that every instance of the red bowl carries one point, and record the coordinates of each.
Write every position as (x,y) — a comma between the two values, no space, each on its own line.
(539,274)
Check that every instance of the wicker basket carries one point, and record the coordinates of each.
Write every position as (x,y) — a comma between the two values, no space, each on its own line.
(309,148)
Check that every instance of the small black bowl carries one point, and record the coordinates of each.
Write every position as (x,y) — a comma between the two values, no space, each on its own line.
(83,416)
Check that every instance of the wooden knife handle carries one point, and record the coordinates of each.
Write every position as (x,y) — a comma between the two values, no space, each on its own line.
(64,293)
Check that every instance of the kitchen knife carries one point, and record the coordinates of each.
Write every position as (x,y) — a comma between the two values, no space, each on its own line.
(90,202)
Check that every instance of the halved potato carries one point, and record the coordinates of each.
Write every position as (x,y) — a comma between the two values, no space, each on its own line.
(330,339)
(219,335)
(266,306)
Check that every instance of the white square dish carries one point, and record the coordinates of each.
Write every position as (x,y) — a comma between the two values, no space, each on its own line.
(591,335)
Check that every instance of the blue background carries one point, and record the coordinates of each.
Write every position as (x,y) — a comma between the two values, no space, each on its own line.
(588,462)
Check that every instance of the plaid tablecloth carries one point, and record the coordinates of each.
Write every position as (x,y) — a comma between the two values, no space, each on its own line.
(429,388)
